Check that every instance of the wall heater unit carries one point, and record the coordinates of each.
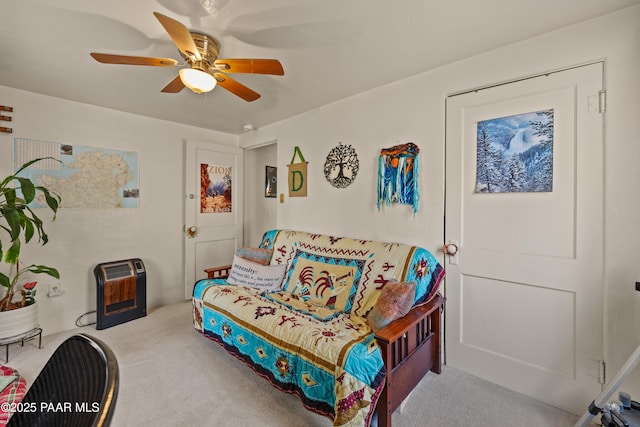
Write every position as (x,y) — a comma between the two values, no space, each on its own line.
(121,293)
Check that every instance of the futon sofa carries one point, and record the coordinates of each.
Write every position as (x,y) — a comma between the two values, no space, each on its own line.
(347,325)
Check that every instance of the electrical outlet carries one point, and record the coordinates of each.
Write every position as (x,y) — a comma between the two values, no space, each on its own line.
(55,290)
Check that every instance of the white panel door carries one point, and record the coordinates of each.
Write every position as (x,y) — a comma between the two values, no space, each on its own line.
(213,208)
(524,293)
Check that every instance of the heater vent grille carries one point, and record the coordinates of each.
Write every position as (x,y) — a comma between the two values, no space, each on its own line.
(117,271)
(121,289)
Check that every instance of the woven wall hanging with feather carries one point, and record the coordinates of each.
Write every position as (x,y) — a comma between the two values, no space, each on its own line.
(398,175)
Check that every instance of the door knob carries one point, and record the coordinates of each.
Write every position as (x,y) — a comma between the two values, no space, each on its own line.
(450,249)
(191,232)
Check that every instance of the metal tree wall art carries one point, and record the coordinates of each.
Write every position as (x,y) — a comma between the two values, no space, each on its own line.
(341,166)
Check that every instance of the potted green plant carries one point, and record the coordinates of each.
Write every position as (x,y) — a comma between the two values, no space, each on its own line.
(19,225)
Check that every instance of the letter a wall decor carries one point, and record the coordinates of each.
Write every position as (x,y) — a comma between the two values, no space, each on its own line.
(398,175)
(297,175)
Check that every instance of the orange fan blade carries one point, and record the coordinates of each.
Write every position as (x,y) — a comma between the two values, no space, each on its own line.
(174,86)
(252,66)
(236,87)
(106,58)
(180,35)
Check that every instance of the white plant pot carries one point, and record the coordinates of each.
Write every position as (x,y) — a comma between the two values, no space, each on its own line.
(18,321)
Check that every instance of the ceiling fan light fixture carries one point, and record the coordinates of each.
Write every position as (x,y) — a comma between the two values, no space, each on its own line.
(197,80)
(204,70)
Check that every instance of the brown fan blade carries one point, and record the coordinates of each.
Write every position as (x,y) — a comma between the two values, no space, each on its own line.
(106,58)
(252,66)
(175,86)
(236,87)
(180,35)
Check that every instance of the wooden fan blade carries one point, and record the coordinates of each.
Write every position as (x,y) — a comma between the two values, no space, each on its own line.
(174,86)
(252,66)
(236,87)
(106,58)
(180,35)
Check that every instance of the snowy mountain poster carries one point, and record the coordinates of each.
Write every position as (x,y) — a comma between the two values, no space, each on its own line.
(515,154)
(215,188)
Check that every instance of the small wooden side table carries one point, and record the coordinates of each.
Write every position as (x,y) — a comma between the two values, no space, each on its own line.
(27,336)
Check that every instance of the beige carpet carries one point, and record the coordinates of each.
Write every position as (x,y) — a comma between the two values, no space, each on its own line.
(171,375)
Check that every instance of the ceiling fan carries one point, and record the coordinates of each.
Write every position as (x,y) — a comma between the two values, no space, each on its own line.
(205,69)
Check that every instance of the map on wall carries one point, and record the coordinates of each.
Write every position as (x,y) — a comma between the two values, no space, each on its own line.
(84,177)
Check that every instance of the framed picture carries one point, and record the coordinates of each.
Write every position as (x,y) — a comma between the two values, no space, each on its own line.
(270,181)
(515,153)
(215,188)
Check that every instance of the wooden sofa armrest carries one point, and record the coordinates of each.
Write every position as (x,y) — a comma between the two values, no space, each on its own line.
(221,272)
(410,348)
(399,327)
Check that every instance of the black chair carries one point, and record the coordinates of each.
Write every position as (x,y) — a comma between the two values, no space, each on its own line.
(77,387)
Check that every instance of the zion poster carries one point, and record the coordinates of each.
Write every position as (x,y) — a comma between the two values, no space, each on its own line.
(215,188)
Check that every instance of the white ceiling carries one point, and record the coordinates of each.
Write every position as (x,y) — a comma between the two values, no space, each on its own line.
(330,49)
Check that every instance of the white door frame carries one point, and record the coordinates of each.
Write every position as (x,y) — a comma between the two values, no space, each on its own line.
(260,213)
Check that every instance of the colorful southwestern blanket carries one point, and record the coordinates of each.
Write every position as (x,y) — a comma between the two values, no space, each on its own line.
(311,337)
(367,264)
(332,363)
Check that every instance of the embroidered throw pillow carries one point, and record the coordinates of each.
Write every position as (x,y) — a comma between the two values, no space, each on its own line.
(259,255)
(323,280)
(395,301)
(322,284)
(264,277)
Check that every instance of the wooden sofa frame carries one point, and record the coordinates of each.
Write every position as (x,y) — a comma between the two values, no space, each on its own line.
(410,348)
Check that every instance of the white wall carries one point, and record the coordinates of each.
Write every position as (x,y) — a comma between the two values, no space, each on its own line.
(259,211)
(382,118)
(413,110)
(82,238)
